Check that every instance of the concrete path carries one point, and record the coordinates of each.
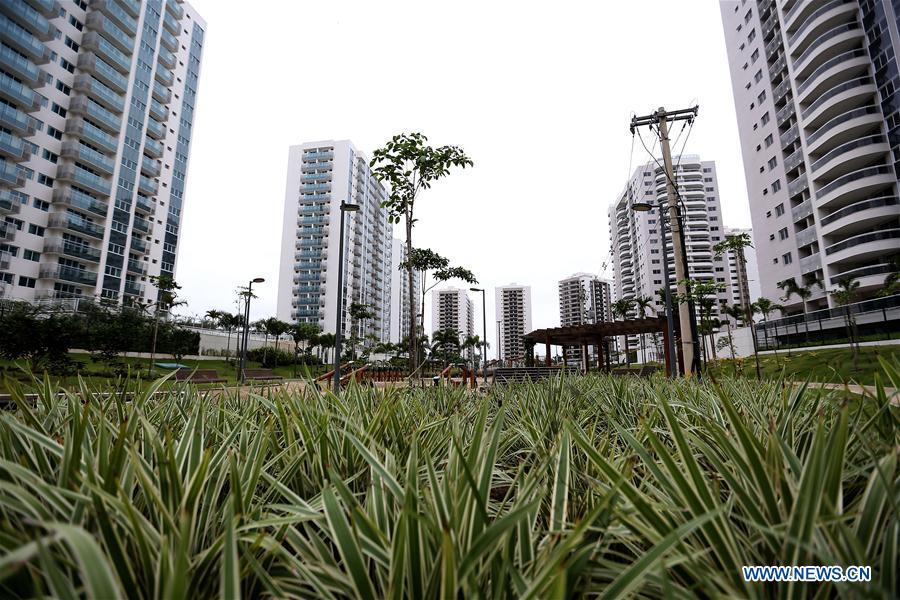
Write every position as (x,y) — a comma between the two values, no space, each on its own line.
(892,393)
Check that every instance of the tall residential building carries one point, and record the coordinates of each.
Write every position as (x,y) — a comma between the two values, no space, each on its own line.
(401,303)
(637,241)
(453,310)
(322,175)
(96,110)
(817,92)
(584,298)
(513,310)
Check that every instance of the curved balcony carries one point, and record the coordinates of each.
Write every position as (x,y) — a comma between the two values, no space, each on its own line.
(67,196)
(865,246)
(851,156)
(856,185)
(847,65)
(63,247)
(844,127)
(70,274)
(78,175)
(868,277)
(861,215)
(100,92)
(838,99)
(817,20)
(826,46)
(77,151)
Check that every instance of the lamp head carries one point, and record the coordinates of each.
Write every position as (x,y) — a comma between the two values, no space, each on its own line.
(474,289)
(641,206)
(349,207)
(258,280)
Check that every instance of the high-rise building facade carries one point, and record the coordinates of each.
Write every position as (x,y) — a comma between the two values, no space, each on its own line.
(401,301)
(637,237)
(453,310)
(743,275)
(513,310)
(584,298)
(321,176)
(96,110)
(817,92)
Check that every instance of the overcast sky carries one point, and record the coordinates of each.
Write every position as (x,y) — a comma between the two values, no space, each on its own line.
(540,96)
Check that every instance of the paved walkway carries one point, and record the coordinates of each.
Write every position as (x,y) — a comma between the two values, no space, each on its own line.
(853,388)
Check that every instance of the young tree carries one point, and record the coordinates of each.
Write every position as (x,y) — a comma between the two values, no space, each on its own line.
(227,321)
(765,307)
(731,312)
(621,308)
(790,287)
(304,332)
(445,343)
(166,299)
(409,165)
(845,295)
(643,303)
(737,242)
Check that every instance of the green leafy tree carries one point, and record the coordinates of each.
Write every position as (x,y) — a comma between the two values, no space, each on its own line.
(166,299)
(326,341)
(230,322)
(643,304)
(621,308)
(846,294)
(766,307)
(445,345)
(301,333)
(39,335)
(892,281)
(732,312)
(738,243)
(409,165)
(790,287)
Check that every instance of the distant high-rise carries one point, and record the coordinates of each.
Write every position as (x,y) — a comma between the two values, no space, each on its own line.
(817,90)
(401,303)
(453,310)
(743,280)
(513,310)
(322,175)
(96,111)
(584,298)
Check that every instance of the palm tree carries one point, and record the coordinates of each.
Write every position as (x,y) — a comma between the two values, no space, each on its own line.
(845,295)
(227,321)
(621,308)
(736,243)
(444,342)
(731,311)
(643,303)
(766,307)
(326,341)
(471,342)
(804,292)
(892,281)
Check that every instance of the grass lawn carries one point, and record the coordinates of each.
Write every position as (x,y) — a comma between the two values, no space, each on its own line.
(834,365)
(100,374)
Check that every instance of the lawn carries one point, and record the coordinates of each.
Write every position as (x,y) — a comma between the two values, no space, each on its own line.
(574,487)
(99,374)
(834,365)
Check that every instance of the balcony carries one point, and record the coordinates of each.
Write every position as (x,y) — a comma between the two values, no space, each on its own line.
(806,237)
(850,64)
(7,232)
(93,134)
(862,215)
(310,277)
(844,127)
(170,22)
(92,182)
(72,249)
(158,111)
(22,40)
(310,156)
(147,186)
(82,105)
(10,202)
(781,90)
(865,246)
(91,63)
(139,245)
(168,40)
(164,76)
(76,224)
(810,264)
(104,95)
(857,184)
(133,288)
(152,148)
(97,21)
(19,94)
(312,221)
(114,11)
(798,185)
(10,174)
(76,150)
(48,8)
(826,46)
(150,167)
(14,147)
(14,119)
(161,93)
(155,129)
(95,42)
(801,211)
(799,35)
(70,274)
(5,258)
(867,276)
(143,204)
(138,267)
(316,243)
(66,196)
(785,113)
(141,225)
(794,160)
(22,68)
(850,156)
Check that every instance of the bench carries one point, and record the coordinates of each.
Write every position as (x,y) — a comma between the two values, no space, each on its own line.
(199,376)
(261,375)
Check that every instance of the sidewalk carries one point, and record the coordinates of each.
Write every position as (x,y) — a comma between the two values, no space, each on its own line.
(892,393)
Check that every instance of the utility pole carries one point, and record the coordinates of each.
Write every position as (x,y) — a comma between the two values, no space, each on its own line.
(661,119)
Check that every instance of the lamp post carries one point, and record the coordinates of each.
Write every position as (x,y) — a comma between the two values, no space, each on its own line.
(483,330)
(499,359)
(247,326)
(338,329)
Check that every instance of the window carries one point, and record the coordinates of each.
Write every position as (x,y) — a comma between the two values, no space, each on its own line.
(28,282)
(773,162)
(769,140)
(58,109)
(783,234)
(762,96)
(113,271)
(776,185)
(76,23)
(758,76)
(63,87)
(786,258)
(707,179)
(765,118)
(755,56)
(747,17)
(779,210)
(31,255)
(17,222)
(35,230)
(44,180)
(41,205)
(49,156)
(72,44)
(54,132)
(67,65)
(752,35)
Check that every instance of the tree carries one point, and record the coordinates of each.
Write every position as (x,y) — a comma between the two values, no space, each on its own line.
(736,243)
(227,321)
(277,329)
(358,313)
(765,307)
(790,287)
(748,313)
(409,165)
(445,343)
(846,294)
(703,296)
(892,280)
(304,332)
(735,312)
(621,308)
(643,303)
(326,341)
(38,335)
(166,299)
(472,342)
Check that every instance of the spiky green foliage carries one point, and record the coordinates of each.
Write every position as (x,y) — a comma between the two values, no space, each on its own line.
(589,486)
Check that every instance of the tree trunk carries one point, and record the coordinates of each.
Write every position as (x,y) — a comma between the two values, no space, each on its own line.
(228,346)
(413,355)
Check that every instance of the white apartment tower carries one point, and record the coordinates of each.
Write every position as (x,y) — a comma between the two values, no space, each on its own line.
(96,110)
(817,93)
(322,175)
(513,310)
(401,301)
(584,298)
(453,310)
(637,237)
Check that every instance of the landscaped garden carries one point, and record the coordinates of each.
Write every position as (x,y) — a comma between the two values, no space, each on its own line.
(577,486)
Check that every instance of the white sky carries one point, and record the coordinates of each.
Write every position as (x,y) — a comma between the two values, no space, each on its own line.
(540,96)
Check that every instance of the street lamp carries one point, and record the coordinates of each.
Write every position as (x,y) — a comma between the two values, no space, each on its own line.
(483,330)
(247,325)
(664,216)
(345,207)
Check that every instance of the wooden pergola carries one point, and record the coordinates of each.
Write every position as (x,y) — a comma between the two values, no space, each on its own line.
(582,336)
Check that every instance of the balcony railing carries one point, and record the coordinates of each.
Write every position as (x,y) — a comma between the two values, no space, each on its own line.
(838,89)
(138,267)
(810,263)
(21,67)
(860,206)
(70,248)
(141,225)
(75,223)
(92,133)
(95,42)
(16,120)
(84,178)
(153,148)
(76,150)
(10,202)
(70,274)
(798,185)
(850,177)
(97,21)
(10,174)
(101,92)
(14,147)
(864,238)
(828,65)
(802,210)
(819,41)
(67,196)
(844,148)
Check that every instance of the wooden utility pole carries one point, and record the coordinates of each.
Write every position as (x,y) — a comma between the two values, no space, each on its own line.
(661,119)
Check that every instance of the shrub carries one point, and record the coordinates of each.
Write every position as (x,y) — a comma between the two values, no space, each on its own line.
(272,357)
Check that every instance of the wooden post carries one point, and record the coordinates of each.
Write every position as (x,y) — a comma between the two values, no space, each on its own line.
(585,357)
(668,354)
(547,360)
